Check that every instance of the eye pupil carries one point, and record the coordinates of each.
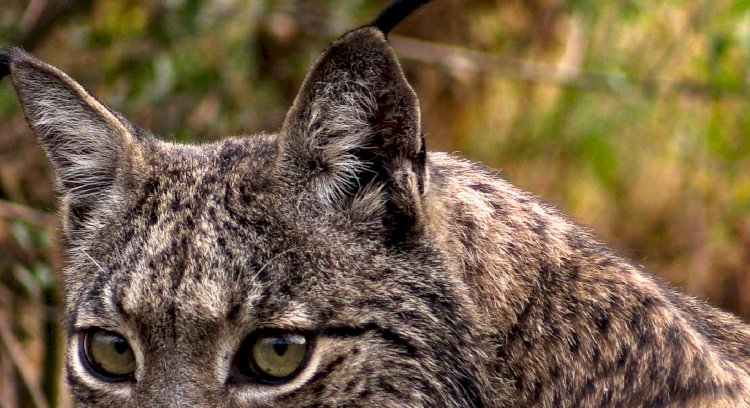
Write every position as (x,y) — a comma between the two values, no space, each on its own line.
(121,346)
(280,348)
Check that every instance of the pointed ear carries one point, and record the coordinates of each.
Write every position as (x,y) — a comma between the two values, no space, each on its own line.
(87,143)
(354,130)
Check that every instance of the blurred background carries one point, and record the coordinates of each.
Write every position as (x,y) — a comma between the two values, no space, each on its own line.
(632,116)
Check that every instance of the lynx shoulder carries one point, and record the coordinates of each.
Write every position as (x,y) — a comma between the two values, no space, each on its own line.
(337,262)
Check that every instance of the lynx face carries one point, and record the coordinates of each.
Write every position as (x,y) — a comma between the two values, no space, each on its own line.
(208,250)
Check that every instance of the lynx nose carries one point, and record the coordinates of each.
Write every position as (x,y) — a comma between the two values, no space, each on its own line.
(172,379)
(181,394)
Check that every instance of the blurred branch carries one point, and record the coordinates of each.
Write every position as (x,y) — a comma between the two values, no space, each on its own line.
(28,214)
(461,61)
(40,17)
(13,350)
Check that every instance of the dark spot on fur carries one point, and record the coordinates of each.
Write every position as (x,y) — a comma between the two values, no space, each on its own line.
(116,299)
(127,234)
(229,155)
(573,271)
(539,227)
(536,391)
(362,396)
(150,187)
(577,241)
(357,331)
(656,365)
(470,392)
(172,313)
(622,357)
(327,370)
(661,399)
(674,336)
(556,398)
(648,301)
(483,188)
(631,372)
(588,387)
(189,222)
(389,388)
(210,179)
(574,343)
(179,263)
(605,263)
(597,354)
(645,340)
(698,365)
(602,322)
(468,224)
(635,323)
(554,370)
(374,304)
(204,191)
(499,209)
(153,215)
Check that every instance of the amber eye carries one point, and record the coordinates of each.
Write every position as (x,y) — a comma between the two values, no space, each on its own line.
(273,356)
(108,355)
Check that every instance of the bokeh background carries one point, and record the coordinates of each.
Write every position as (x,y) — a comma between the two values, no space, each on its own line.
(633,116)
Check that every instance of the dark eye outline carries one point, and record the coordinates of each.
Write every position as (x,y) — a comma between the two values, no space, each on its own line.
(84,349)
(245,371)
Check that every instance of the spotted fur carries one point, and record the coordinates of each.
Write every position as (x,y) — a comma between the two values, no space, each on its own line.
(426,280)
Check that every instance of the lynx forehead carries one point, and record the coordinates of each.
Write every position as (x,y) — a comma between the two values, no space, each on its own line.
(337,262)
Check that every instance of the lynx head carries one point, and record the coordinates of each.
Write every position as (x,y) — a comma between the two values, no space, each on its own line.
(288,269)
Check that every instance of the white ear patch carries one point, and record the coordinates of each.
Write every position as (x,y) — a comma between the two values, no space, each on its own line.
(338,127)
(84,157)
(82,138)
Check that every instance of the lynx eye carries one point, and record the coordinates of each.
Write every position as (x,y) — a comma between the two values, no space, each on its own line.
(273,356)
(108,355)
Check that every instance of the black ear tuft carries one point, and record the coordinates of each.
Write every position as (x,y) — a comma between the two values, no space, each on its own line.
(394,13)
(7,54)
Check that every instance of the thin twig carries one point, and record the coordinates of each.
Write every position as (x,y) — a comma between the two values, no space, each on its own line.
(459,61)
(31,15)
(40,18)
(28,214)
(8,388)
(14,351)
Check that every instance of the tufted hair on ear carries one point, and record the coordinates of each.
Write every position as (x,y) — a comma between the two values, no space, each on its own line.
(87,143)
(354,131)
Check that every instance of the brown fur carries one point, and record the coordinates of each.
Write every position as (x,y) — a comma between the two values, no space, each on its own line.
(424,279)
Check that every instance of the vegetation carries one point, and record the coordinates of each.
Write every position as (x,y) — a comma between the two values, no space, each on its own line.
(633,116)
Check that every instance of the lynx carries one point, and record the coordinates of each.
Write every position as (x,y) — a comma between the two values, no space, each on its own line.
(339,263)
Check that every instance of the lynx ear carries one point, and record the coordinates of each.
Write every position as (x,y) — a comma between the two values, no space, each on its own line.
(354,129)
(85,141)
